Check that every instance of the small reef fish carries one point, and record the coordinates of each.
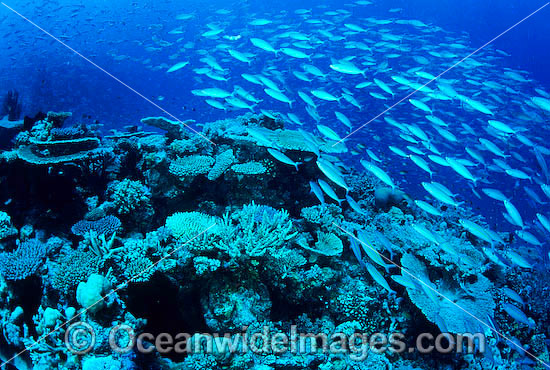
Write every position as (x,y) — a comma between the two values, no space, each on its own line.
(281,157)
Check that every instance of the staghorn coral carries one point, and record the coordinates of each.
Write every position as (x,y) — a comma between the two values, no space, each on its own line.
(260,228)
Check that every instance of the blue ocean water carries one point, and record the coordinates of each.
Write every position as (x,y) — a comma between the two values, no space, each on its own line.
(108,62)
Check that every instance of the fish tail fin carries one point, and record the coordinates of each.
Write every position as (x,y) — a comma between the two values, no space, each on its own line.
(387,267)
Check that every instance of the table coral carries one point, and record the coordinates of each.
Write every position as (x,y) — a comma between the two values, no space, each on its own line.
(187,225)
(458,306)
(190,166)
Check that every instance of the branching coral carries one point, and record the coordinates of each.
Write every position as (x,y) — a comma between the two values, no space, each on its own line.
(24,261)
(137,261)
(242,264)
(283,261)
(324,215)
(72,267)
(98,235)
(261,228)
(204,264)
(129,195)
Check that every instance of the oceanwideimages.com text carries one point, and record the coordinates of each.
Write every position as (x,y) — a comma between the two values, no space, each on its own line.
(80,338)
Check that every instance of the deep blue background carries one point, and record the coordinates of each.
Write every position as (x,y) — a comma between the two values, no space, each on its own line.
(116,34)
(528,43)
(50,77)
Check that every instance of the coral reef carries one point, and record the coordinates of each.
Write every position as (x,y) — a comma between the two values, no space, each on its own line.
(170,233)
